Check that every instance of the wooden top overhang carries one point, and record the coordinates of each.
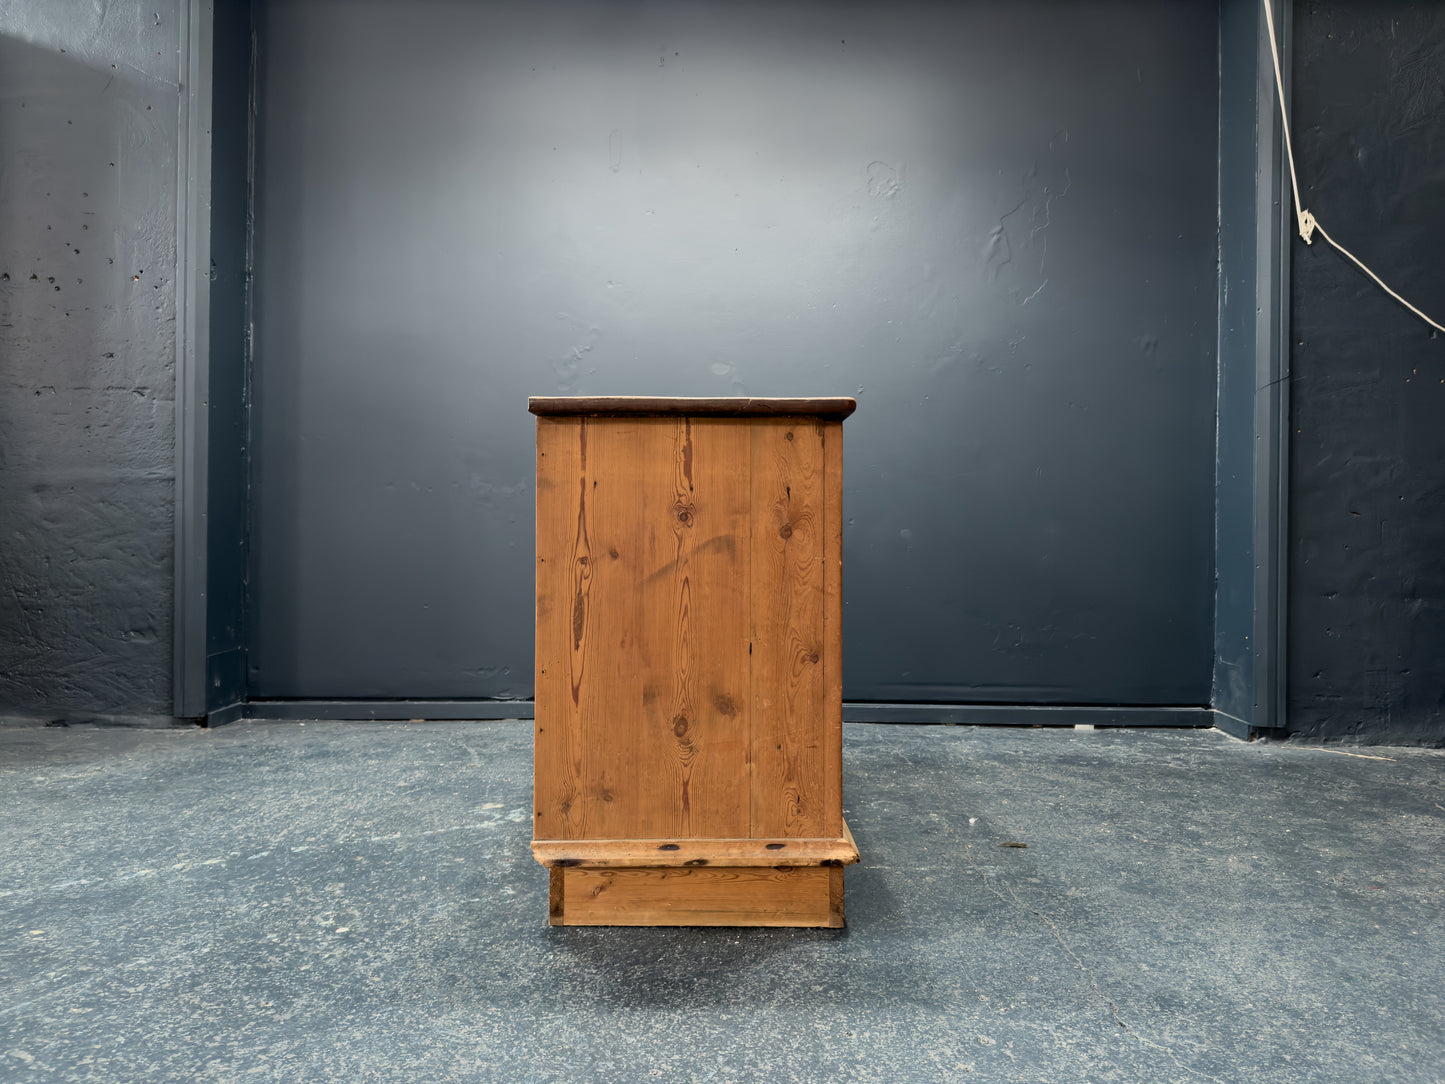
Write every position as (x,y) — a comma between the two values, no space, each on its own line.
(834,409)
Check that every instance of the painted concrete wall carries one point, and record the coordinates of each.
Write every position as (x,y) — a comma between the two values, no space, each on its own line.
(88,108)
(1367,568)
(87,162)
(993,223)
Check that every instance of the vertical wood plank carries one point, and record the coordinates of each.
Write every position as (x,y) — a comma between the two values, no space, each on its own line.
(722,473)
(563,589)
(623,662)
(788,667)
(832,705)
(696,608)
(835,897)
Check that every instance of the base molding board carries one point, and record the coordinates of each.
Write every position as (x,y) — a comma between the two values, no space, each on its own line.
(231,713)
(1233,726)
(696,852)
(65,718)
(1026,714)
(1236,727)
(709,896)
(385,710)
(855,711)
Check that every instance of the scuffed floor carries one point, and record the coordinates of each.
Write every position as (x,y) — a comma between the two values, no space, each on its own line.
(356,901)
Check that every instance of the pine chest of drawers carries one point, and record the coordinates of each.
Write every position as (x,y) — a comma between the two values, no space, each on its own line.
(688,758)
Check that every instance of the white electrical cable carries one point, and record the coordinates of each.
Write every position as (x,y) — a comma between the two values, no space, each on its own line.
(1308,225)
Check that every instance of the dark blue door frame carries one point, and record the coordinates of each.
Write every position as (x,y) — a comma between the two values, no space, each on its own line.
(1253,424)
(212,261)
(193,257)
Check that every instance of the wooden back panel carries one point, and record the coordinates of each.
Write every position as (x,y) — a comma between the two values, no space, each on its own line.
(688,604)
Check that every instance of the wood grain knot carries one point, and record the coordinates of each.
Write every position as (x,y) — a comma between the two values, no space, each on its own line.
(788,435)
(612,553)
(776,846)
(725,704)
(695,862)
(579,618)
(669,847)
(679,725)
(786,530)
(684,513)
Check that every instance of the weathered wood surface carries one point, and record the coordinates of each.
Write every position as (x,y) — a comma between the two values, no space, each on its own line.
(836,408)
(790,896)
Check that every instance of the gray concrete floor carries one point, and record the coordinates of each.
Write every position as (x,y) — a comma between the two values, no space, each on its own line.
(356,902)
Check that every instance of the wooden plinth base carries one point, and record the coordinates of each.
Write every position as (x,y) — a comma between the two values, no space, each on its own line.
(683,896)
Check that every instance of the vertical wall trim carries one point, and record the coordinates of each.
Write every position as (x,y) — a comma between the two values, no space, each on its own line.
(1272,356)
(248,356)
(193,257)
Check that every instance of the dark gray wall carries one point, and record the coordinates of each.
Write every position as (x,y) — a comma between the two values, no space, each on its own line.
(913,174)
(1367,570)
(994,224)
(88,126)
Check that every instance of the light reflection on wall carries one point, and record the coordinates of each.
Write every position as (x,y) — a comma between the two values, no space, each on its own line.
(994,223)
